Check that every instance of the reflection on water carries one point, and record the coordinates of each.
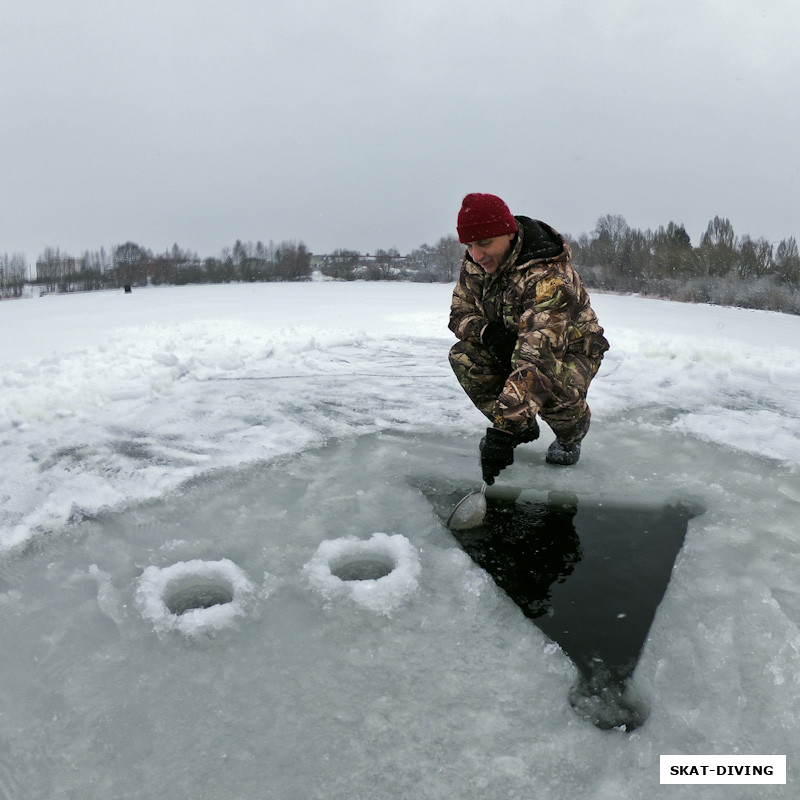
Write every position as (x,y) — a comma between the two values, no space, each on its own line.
(591,577)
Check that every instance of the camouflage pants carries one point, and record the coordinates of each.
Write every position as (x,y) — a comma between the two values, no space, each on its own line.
(565,410)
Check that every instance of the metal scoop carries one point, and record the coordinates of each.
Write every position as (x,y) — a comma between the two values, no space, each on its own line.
(469,512)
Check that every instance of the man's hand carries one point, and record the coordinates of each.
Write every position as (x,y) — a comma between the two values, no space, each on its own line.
(497,452)
(500,342)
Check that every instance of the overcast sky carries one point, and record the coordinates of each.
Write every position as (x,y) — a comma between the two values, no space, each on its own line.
(362,123)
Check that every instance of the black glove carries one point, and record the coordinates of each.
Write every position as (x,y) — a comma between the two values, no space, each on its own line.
(497,453)
(500,342)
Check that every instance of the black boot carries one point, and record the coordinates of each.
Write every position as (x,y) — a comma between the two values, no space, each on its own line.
(563,455)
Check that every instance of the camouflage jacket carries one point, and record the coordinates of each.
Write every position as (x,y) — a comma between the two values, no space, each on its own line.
(537,294)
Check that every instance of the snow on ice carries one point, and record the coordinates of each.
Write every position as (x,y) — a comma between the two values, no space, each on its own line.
(243,442)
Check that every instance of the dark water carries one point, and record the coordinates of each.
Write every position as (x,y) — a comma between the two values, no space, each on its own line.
(591,577)
(363,569)
(197,596)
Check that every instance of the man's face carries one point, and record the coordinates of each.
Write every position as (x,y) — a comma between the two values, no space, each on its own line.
(490,253)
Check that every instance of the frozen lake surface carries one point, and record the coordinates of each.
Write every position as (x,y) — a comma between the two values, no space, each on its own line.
(254,440)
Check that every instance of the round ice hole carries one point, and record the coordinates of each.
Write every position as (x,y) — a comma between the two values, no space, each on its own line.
(194,597)
(378,573)
(185,594)
(362,569)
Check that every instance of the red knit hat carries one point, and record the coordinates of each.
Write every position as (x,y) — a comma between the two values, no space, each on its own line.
(484,216)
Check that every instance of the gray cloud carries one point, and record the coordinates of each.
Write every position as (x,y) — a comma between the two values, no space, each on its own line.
(362,123)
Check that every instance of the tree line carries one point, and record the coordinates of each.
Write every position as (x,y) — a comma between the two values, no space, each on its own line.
(130,264)
(437,263)
(13,272)
(133,265)
(723,269)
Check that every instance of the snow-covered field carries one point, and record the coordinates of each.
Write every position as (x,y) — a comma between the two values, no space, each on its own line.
(254,434)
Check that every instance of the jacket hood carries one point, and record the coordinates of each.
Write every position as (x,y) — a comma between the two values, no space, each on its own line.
(539,240)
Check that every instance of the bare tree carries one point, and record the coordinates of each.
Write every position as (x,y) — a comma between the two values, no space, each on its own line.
(718,247)
(130,264)
(755,258)
(12,274)
(449,252)
(787,262)
(342,264)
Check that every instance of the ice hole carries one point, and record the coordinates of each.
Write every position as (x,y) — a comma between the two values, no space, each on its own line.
(194,597)
(591,576)
(185,594)
(362,569)
(378,573)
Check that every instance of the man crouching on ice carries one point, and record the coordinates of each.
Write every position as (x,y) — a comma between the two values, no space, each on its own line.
(530,343)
